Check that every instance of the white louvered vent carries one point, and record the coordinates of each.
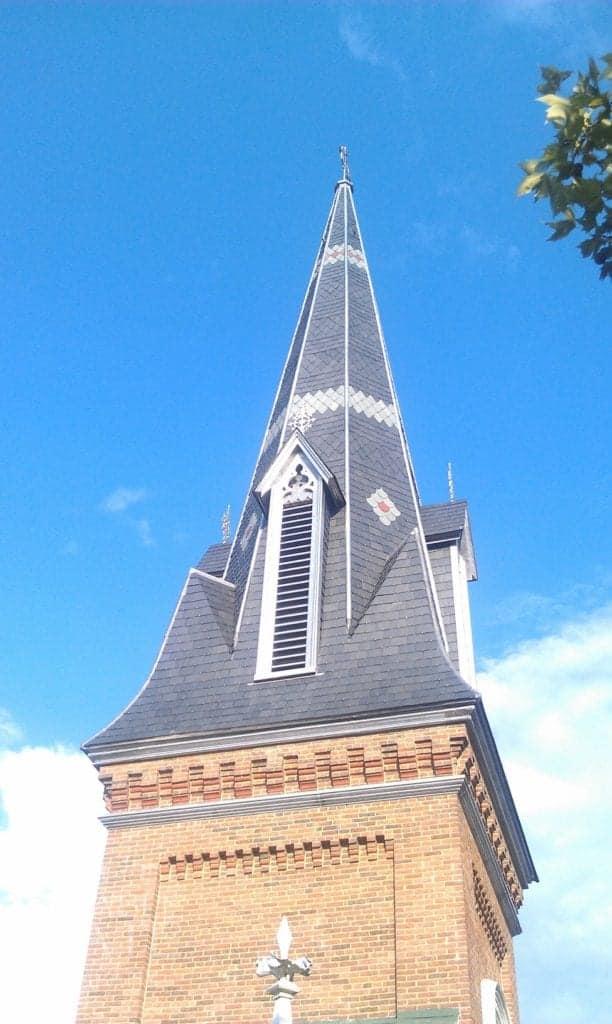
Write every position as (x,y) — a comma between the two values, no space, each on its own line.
(292,584)
(290,643)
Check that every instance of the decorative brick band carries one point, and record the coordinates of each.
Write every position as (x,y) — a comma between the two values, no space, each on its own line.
(410,788)
(264,860)
(488,918)
(255,776)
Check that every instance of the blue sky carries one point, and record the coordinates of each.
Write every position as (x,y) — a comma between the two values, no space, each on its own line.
(166,170)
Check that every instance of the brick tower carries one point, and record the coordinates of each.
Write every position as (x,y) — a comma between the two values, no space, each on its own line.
(309,741)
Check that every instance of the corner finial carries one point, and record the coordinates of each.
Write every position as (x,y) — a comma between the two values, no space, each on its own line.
(226,525)
(344,160)
(451,482)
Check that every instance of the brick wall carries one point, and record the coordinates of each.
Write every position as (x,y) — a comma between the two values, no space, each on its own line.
(381,894)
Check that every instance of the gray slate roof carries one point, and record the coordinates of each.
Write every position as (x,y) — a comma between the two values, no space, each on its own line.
(381,643)
(442,520)
(214,559)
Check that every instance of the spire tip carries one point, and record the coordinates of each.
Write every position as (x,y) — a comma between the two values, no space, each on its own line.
(344,160)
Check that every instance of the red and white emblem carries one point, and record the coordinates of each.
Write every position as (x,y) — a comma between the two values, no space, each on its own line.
(383,506)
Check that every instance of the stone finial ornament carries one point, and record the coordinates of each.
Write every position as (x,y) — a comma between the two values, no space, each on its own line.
(283,969)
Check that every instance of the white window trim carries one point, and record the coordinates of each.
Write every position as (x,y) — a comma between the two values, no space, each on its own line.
(494,1008)
(270,583)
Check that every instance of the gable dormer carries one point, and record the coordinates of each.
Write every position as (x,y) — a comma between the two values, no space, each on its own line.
(297,494)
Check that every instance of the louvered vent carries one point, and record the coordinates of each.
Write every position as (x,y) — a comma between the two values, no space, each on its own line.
(289,649)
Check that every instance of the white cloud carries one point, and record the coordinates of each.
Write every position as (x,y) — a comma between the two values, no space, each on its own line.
(50,851)
(483,246)
(123,498)
(9,730)
(550,704)
(361,43)
(143,528)
(542,611)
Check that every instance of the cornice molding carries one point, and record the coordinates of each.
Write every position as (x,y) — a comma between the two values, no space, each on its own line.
(494,776)
(181,746)
(284,802)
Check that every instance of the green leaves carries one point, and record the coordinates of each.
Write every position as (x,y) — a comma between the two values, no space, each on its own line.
(574,172)
(529,183)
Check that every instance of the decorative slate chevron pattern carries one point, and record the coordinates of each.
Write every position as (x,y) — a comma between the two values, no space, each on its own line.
(356,257)
(381,411)
(335,254)
(333,398)
(320,401)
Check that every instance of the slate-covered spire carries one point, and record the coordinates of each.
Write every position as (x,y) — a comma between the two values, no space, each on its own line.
(337,388)
(382,646)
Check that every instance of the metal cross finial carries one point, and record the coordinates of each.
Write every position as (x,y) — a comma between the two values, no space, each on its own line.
(282,968)
(346,174)
(451,482)
(226,525)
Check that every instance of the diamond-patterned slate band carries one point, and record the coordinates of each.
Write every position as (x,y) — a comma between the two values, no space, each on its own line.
(335,253)
(306,406)
(333,398)
(383,506)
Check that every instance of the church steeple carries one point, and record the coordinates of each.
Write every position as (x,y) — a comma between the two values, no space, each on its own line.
(309,738)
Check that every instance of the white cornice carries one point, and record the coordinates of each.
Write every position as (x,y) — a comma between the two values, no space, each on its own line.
(284,801)
(180,746)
